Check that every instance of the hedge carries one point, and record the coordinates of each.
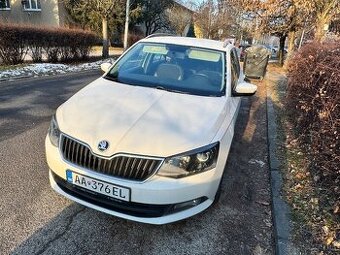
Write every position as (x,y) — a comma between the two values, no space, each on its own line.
(314,100)
(59,44)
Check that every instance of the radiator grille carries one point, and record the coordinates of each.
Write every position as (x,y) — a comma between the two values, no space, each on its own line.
(121,166)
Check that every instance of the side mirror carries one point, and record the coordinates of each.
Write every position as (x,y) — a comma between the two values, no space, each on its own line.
(105,67)
(244,89)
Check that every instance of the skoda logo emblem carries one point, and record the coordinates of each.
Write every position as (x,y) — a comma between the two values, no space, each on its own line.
(103,145)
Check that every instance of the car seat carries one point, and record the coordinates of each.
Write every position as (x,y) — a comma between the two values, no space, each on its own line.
(169,71)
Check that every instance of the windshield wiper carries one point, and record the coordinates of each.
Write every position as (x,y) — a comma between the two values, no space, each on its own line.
(108,77)
(170,90)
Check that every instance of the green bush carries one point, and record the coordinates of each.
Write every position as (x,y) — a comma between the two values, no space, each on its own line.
(314,101)
(57,43)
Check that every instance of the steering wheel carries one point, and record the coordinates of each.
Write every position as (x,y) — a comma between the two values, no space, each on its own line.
(202,75)
(199,79)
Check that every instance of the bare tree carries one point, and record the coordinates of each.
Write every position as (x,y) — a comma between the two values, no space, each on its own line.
(214,16)
(282,18)
(206,18)
(323,11)
(152,13)
(102,8)
(180,18)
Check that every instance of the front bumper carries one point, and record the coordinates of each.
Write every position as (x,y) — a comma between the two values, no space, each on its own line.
(153,201)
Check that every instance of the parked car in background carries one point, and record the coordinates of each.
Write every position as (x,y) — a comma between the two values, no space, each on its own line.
(149,140)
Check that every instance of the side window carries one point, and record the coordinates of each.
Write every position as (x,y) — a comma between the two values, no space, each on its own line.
(158,58)
(235,69)
(155,61)
(137,61)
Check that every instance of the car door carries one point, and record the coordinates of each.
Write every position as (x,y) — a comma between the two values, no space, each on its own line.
(232,103)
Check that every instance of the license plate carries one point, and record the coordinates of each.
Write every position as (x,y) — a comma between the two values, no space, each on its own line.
(98,186)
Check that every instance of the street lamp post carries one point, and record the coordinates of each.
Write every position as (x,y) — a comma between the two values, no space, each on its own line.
(127,18)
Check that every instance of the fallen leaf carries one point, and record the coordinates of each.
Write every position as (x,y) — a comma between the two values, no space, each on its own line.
(255,161)
(258,250)
(298,186)
(316,178)
(325,230)
(329,240)
(263,203)
(336,244)
(314,200)
(300,176)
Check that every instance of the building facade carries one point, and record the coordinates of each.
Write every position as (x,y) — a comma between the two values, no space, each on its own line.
(33,12)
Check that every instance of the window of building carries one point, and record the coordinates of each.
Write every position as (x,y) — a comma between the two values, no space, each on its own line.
(32,5)
(5,5)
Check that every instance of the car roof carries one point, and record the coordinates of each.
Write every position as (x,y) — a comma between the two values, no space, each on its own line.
(189,41)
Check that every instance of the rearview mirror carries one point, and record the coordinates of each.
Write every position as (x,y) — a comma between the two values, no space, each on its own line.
(245,89)
(105,67)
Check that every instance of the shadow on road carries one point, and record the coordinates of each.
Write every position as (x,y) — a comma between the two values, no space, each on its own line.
(29,102)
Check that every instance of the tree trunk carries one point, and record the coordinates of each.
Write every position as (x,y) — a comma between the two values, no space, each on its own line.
(105,53)
(147,29)
(323,18)
(291,43)
(281,49)
(320,26)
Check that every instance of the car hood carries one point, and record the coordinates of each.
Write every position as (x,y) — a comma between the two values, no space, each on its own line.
(138,120)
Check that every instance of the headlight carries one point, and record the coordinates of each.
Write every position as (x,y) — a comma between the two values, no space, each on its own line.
(189,163)
(54,132)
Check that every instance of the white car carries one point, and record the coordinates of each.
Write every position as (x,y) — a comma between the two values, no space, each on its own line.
(149,140)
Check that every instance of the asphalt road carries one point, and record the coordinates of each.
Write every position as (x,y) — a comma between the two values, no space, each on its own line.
(36,220)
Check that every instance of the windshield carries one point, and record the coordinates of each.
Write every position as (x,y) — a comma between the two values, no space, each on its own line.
(176,68)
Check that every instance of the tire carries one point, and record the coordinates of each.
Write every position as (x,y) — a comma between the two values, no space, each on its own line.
(219,191)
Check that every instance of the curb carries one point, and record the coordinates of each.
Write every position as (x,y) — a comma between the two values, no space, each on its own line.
(281,212)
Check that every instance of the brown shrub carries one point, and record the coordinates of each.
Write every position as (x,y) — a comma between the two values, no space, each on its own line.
(58,43)
(313,98)
(68,44)
(13,44)
(133,38)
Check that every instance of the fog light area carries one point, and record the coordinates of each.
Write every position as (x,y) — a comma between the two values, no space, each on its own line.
(187,205)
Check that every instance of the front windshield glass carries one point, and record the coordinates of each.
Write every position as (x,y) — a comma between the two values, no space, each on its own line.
(176,68)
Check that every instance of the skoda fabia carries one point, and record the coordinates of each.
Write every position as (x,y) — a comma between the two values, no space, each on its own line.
(149,140)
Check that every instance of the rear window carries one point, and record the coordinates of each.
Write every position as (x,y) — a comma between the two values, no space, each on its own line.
(176,68)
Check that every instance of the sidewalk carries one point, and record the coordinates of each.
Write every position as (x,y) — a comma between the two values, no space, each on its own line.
(113,51)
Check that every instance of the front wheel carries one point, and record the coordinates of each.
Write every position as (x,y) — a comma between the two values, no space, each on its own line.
(219,191)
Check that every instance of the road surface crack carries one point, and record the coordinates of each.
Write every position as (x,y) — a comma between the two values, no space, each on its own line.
(58,236)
